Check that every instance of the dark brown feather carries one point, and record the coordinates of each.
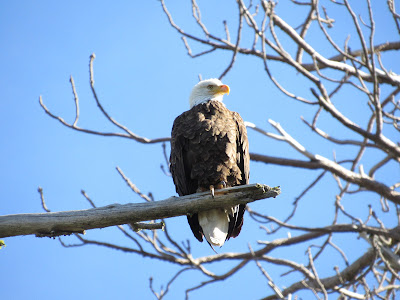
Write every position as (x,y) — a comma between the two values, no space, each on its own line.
(209,145)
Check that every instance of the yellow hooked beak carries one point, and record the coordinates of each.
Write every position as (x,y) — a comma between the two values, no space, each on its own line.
(223,89)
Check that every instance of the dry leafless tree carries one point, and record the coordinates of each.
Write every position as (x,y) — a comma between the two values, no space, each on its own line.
(359,67)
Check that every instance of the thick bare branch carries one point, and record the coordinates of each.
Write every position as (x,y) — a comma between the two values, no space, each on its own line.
(116,214)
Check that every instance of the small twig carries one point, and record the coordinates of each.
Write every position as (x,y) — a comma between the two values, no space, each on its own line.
(271,283)
(239,35)
(326,136)
(133,186)
(189,50)
(167,171)
(76,100)
(341,252)
(197,16)
(40,190)
(227,35)
(164,292)
(88,198)
(147,226)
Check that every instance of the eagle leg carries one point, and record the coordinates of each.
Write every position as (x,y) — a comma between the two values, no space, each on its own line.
(221,185)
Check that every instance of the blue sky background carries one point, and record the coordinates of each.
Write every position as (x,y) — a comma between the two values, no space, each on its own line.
(143,78)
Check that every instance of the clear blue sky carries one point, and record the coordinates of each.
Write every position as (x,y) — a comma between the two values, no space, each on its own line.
(143,77)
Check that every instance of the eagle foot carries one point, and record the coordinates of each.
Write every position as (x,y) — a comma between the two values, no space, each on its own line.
(212,188)
(219,186)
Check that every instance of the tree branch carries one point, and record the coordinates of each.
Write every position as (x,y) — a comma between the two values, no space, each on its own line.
(128,133)
(323,163)
(67,222)
(346,275)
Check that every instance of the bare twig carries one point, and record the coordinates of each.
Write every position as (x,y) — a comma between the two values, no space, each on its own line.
(133,186)
(40,190)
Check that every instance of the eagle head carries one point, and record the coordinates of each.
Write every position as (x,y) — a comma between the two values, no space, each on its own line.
(209,89)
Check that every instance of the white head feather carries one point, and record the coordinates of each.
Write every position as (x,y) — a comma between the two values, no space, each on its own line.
(210,89)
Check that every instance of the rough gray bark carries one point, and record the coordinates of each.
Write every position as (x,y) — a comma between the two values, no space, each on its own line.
(67,222)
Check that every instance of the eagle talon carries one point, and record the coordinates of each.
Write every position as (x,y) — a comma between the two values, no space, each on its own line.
(212,191)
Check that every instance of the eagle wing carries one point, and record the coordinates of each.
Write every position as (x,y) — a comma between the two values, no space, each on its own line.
(243,157)
(181,157)
(243,162)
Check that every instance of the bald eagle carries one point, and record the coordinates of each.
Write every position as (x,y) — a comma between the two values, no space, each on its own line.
(210,150)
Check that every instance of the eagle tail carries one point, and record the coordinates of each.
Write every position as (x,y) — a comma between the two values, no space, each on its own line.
(215,225)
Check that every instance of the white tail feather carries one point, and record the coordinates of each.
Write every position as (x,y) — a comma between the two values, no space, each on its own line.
(215,223)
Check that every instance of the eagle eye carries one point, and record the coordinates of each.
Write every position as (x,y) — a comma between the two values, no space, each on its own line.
(210,87)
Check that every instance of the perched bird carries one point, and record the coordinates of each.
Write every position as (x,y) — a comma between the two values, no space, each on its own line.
(210,150)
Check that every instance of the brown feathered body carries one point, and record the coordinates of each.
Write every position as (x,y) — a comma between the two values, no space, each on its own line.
(209,146)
